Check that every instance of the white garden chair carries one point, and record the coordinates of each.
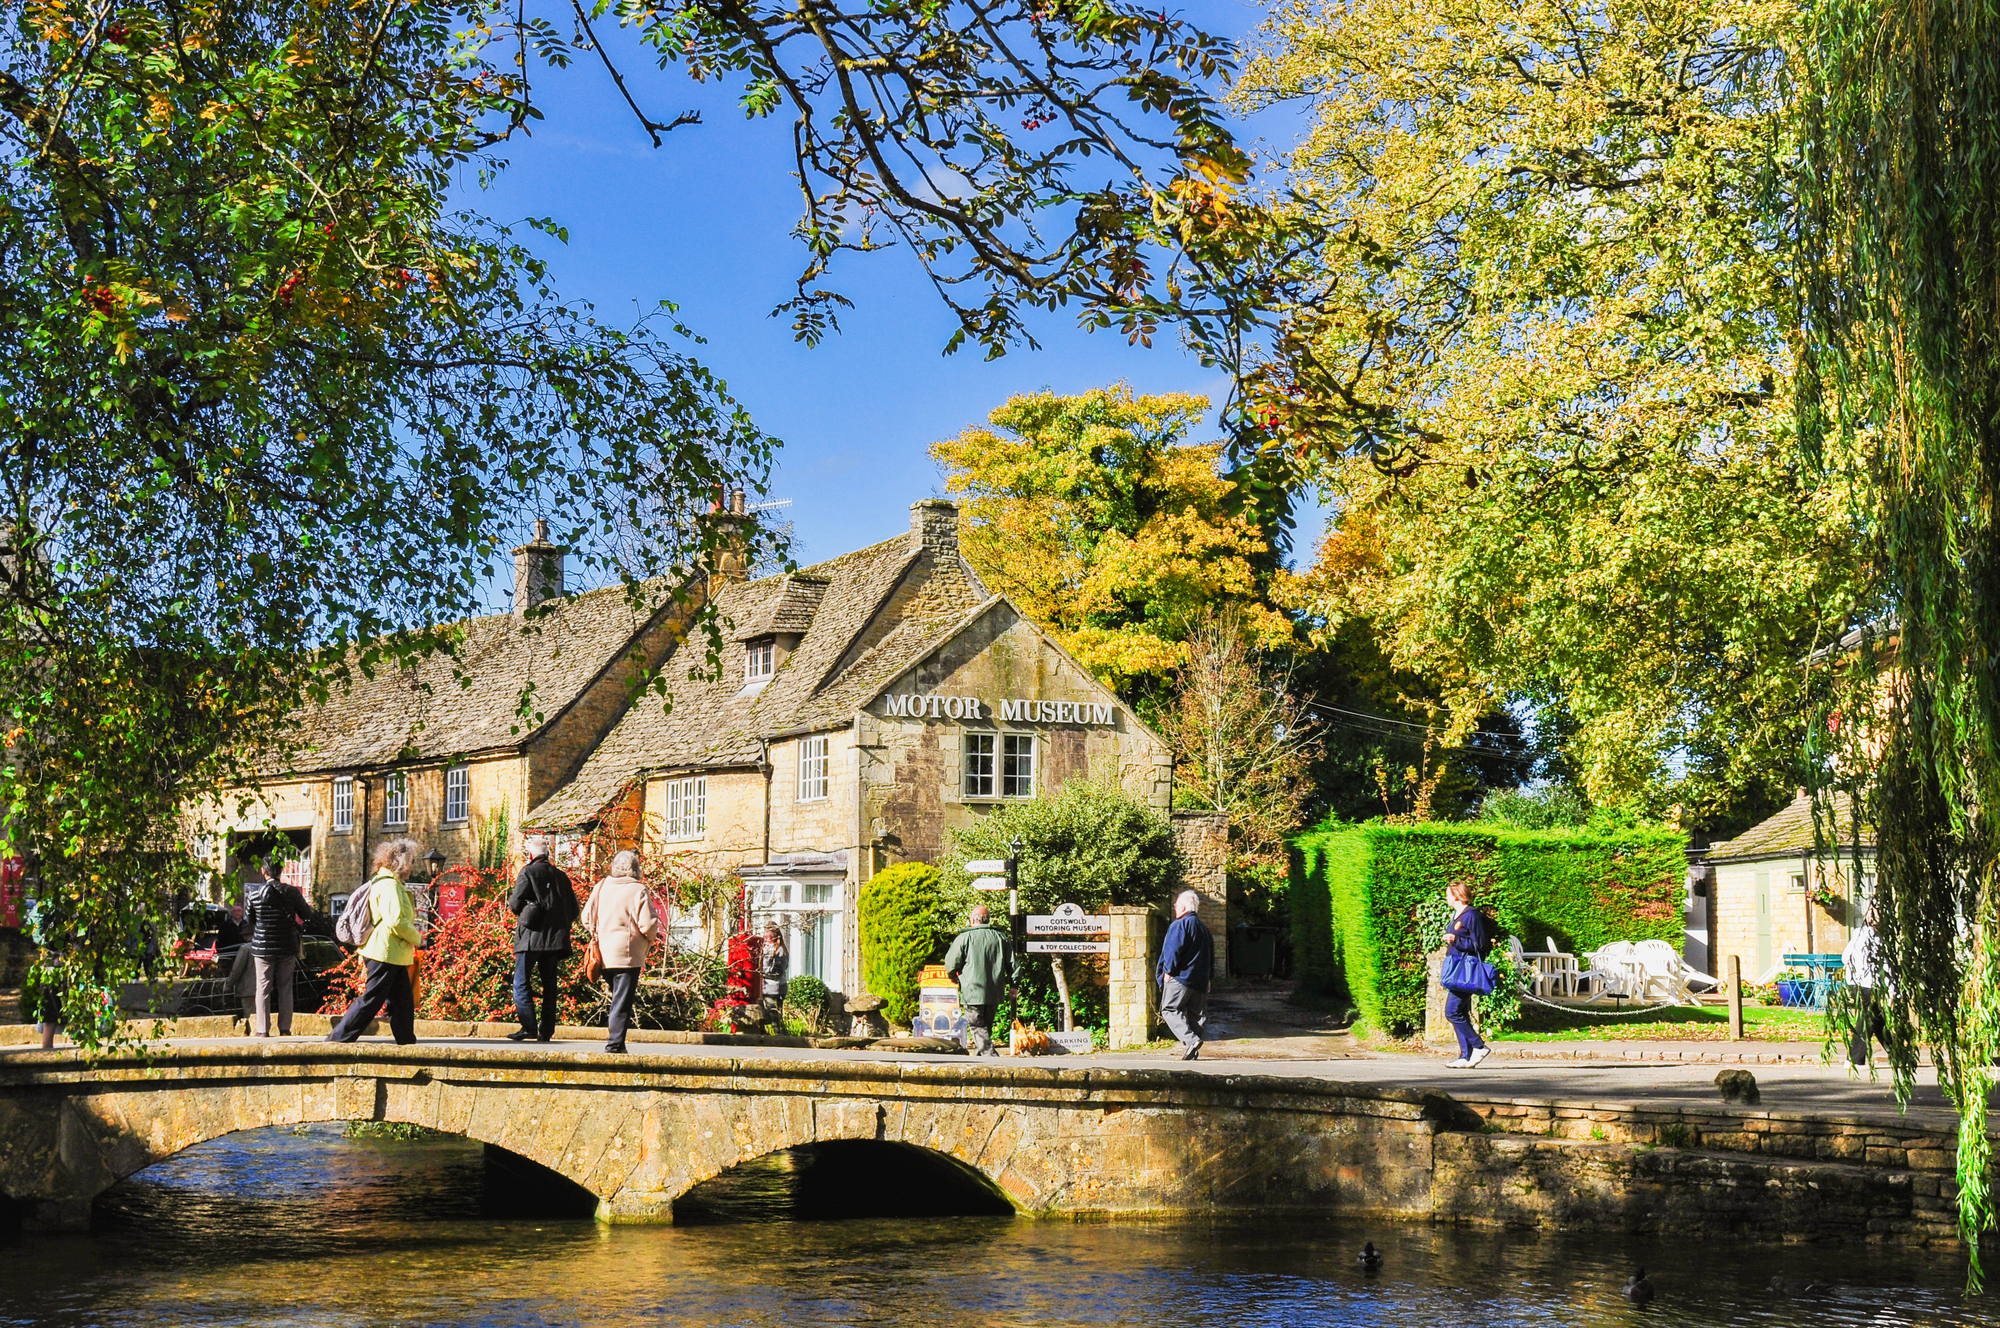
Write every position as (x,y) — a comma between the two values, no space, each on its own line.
(1660,967)
(1558,973)
(1612,971)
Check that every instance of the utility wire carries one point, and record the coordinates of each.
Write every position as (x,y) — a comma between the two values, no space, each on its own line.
(1493,752)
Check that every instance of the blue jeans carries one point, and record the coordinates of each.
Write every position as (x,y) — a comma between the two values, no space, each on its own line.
(549,965)
(1458,1011)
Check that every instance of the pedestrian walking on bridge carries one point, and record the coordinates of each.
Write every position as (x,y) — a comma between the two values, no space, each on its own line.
(544,908)
(277,912)
(391,947)
(625,924)
(981,961)
(1187,961)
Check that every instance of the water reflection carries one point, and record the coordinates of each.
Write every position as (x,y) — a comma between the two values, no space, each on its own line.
(269,1228)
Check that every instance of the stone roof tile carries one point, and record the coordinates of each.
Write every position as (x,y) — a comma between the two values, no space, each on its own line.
(878,610)
(1791,832)
(443,706)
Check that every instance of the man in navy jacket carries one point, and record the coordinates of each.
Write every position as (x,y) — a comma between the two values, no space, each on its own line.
(1186,958)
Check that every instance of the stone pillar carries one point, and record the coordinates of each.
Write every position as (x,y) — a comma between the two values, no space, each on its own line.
(1203,841)
(1136,933)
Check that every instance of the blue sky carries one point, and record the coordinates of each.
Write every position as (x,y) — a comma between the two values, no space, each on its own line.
(705,221)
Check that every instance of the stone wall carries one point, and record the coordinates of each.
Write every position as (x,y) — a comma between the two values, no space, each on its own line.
(911,769)
(1203,841)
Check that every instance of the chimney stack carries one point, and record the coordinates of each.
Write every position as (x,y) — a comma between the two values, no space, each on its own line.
(538,572)
(731,519)
(934,526)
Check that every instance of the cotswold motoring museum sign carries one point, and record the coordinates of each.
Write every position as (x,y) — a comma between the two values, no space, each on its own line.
(1022,711)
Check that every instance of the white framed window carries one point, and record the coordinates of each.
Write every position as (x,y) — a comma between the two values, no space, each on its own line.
(810,914)
(812,768)
(978,765)
(1017,765)
(396,801)
(458,793)
(685,926)
(343,804)
(760,661)
(687,808)
(1798,883)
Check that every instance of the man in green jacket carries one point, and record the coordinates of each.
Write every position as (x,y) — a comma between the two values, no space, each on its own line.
(980,960)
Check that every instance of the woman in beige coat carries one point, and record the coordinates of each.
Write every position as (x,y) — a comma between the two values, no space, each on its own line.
(622,920)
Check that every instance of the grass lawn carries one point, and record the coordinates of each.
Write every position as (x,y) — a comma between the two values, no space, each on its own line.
(1709,1023)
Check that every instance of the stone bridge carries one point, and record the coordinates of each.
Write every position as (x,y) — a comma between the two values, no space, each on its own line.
(640,1131)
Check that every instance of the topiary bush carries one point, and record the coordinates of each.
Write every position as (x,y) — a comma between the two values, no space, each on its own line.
(902,914)
(806,1002)
(1585,888)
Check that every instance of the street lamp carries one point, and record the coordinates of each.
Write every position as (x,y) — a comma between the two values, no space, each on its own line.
(435,861)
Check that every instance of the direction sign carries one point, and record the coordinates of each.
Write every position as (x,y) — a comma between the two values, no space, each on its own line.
(989,883)
(988,867)
(1069,947)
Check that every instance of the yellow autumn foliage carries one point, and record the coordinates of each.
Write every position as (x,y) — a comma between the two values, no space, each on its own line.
(1097,517)
(1546,362)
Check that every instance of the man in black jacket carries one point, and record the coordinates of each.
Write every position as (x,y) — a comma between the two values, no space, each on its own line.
(275,915)
(545,907)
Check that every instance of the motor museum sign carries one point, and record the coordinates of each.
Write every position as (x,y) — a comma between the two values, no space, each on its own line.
(1016,710)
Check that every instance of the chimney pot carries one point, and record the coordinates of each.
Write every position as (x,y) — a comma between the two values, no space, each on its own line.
(736,501)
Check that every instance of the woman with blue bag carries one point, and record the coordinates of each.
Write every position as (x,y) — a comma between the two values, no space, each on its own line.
(1466,973)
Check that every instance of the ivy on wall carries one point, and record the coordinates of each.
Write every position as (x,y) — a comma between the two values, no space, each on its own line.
(1582,888)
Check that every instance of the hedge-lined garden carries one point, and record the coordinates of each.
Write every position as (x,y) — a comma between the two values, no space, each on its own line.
(1356,891)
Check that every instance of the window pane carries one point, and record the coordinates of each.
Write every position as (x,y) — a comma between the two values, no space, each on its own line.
(978,765)
(343,804)
(1017,766)
(457,790)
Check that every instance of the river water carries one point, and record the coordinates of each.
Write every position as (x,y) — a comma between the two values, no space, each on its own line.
(276,1227)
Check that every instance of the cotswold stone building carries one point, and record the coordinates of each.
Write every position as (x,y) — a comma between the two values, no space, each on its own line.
(862,708)
(1776,889)
(867,705)
(443,751)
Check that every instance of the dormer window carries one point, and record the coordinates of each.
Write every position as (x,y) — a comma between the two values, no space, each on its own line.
(760,661)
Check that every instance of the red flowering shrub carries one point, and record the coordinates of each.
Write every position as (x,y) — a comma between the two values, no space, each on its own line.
(466,973)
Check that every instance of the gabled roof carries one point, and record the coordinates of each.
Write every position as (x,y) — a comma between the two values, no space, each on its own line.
(1790,833)
(876,609)
(426,712)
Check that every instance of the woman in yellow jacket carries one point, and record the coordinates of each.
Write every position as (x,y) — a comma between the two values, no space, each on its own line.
(391,947)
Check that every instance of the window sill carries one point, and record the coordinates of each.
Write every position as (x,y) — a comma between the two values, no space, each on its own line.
(807,802)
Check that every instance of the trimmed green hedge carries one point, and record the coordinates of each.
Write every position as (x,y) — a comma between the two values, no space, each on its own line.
(1584,888)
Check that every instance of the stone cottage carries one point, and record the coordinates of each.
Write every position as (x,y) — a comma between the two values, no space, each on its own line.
(868,705)
(443,750)
(1771,891)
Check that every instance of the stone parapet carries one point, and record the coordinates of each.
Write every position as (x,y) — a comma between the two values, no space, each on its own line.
(1203,841)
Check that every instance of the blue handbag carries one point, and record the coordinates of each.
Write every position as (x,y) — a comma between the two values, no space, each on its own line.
(1467,973)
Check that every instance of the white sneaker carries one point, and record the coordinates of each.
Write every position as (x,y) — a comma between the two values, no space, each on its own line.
(1478,1055)
(1458,1064)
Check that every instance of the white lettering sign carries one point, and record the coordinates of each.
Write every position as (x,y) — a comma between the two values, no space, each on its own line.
(933,706)
(1068,947)
(1068,920)
(1025,711)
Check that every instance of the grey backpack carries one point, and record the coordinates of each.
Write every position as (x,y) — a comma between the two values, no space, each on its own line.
(356,920)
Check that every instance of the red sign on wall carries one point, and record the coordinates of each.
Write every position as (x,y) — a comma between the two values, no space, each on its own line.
(13,891)
(450,901)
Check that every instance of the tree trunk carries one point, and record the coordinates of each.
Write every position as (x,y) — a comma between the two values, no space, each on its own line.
(1059,964)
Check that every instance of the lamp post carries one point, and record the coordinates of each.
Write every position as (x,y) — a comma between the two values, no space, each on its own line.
(435,861)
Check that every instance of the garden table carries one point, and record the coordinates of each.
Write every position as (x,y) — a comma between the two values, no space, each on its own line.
(1821,968)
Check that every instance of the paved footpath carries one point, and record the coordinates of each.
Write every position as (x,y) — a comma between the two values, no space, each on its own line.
(1803,1088)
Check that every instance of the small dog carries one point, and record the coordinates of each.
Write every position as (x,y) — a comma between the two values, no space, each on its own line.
(1738,1086)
